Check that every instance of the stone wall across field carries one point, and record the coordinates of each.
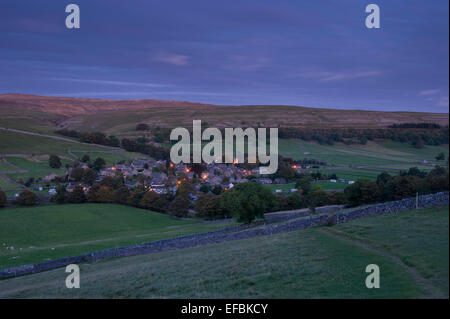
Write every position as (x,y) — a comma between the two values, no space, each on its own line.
(438,199)
(235,233)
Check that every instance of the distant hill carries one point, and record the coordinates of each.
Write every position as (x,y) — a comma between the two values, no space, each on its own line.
(121,116)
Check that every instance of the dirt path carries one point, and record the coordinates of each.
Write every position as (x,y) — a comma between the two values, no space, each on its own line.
(432,291)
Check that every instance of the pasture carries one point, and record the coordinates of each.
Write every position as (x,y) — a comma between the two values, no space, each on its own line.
(411,248)
(363,161)
(47,232)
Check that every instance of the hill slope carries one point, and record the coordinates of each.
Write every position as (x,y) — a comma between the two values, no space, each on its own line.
(326,262)
(121,116)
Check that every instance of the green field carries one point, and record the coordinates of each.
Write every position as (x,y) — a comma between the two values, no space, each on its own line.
(353,162)
(111,158)
(4,167)
(36,168)
(328,186)
(411,249)
(390,153)
(17,143)
(283,187)
(48,232)
(6,185)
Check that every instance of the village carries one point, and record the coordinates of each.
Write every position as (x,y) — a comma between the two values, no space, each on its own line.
(162,177)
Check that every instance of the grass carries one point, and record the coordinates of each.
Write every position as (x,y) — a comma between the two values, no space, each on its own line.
(423,245)
(48,232)
(17,143)
(283,187)
(373,153)
(35,168)
(309,263)
(4,167)
(7,185)
(111,157)
(328,186)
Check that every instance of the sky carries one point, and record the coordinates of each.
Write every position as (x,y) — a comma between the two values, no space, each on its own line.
(236,52)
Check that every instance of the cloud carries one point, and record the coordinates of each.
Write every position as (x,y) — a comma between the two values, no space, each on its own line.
(351,76)
(173,59)
(443,102)
(429,92)
(247,63)
(109,82)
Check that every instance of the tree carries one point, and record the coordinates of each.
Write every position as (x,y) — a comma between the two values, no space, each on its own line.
(317,197)
(3,199)
(383,178)
(77,196)
(77,174)
(304,184)
(89,176)
(61,196)
(121,195)
(180,205)
(54,161)
(105,194)
(142,127)
(336,198)
(248,201)
(85,158)
(153,201)
(99,163)
(440,156)
(208,206)
(26,198)
(204,188)
(135,197)
(362,192)
(217,190)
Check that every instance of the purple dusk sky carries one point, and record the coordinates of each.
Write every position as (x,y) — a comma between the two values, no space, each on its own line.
(235,52)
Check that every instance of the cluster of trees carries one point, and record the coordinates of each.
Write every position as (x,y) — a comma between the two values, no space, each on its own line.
(141,146)
(416,136)
(91,137)
(97,164)
(250,200)
(87,176)
(389,188)
(245,202)
(112,190)
(416,125)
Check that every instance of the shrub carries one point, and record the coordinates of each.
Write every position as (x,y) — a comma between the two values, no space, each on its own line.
(77,196)
(208,206)
(54,161)
(247,201)
(26,198)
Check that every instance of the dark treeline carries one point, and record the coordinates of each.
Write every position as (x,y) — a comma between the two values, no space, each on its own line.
(416,125)
(251,200)
(140,146)
(417,137)
(91,137)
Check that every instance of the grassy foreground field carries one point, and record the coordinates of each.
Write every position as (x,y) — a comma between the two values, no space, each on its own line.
(48,232)
(411,249)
